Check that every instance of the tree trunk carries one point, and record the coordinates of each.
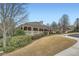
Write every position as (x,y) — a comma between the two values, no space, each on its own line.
(4,39)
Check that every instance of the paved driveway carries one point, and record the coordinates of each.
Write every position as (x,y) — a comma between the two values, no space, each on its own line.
(72,51)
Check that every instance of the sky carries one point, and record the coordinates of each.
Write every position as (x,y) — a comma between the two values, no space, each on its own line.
(49,12)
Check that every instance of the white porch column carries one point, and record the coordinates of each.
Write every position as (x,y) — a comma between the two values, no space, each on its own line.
(38,30)
(27,32)
(32,32)
(48,32)
(22,27)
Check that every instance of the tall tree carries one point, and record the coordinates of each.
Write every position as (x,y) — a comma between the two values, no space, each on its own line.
(54,26)
(10,16)
(64,23)
(76,27)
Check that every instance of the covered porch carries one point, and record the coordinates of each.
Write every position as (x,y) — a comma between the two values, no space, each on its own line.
(34,30)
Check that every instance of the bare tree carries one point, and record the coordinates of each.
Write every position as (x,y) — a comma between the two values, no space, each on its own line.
(10,16)
(64,23)
(54,26)
(76,27)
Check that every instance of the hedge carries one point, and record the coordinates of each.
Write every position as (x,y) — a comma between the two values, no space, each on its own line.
(17,42)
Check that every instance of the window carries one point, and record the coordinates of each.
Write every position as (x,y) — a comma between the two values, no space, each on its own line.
(45,29)
(40,29)
(25,28)
(35,29)
(29,28)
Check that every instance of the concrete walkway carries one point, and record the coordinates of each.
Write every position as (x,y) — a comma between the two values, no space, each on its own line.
(72,51)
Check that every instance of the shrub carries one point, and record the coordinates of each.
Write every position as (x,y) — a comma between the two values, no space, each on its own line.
(1,42)
(58,32)
(19,41)
(19,32)
(45,33)
(16,42)
(1,48)
(8,49)
(37,36)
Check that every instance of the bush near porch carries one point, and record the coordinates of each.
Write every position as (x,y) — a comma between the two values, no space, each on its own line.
(37,36)
(19,32)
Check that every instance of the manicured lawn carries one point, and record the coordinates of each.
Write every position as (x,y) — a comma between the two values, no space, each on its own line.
(49,45)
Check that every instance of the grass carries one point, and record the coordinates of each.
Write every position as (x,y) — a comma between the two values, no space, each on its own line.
(49,45)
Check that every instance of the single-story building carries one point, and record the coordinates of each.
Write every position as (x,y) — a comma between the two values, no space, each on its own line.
(35,28)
